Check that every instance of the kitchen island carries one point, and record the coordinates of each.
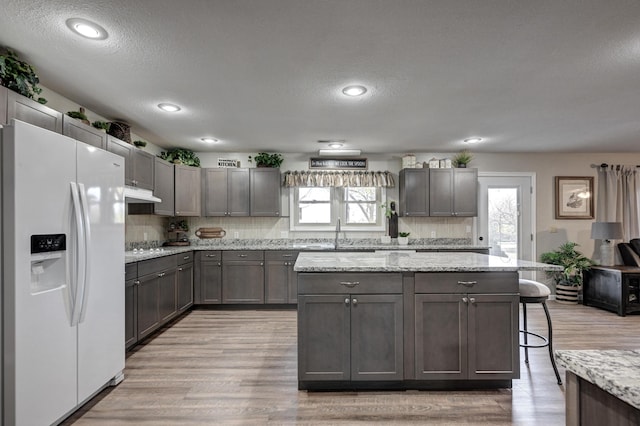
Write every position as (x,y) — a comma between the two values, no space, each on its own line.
(401,320)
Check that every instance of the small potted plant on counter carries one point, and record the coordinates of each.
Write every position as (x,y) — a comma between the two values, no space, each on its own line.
(403,238)
(568,281)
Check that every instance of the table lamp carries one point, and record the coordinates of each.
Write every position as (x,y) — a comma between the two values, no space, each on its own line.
(606,231)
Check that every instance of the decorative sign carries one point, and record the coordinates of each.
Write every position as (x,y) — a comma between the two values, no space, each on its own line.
(223,162)
(338,163)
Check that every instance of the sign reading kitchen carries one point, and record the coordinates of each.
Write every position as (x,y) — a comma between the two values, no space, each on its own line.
(338,163)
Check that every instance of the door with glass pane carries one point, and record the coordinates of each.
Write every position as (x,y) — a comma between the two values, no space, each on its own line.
(505,215)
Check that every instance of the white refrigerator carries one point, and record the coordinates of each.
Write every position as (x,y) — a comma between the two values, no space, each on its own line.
(62,273)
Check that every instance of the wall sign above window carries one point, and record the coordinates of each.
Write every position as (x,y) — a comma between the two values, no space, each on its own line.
(338,163)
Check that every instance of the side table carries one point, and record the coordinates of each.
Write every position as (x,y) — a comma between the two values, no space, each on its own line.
(615,288)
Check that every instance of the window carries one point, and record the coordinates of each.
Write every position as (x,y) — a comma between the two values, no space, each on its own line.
(318,208)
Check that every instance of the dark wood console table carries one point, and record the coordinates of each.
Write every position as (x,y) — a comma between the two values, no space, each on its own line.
(615,288)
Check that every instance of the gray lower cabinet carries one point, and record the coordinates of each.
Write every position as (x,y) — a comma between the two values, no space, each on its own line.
(208,277)
(130,305)
(466,326)
(453,192)
(156,290)
(148,318)
(226,192)
(167,294)
(264,191)
(350,327)
(281,281)
(184,281)
(414,192)
(242,277)
(82,132)
(187,190)
(32,112)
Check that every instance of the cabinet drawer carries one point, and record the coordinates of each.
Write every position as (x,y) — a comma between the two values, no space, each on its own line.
(130,271)
(243,255)
(157,265)
(281,255)
(185,258)
(210,255)
(349,283)
(466,282)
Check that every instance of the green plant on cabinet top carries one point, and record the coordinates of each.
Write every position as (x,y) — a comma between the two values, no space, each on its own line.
(181,156)
(264,159)
(19,76)
(462,158)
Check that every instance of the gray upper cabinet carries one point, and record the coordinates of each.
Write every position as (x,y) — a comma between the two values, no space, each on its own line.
(77,130)
(226,192)
(139,164)
(414,192)
(32,112)
(265,191)
(4,94)
(125,150)
(187,190)
(453,192)
(163,187)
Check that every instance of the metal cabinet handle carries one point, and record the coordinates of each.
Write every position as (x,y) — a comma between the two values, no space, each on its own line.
(346,301)
(472,300)
(349,284)
(180,269)
(261,263)
(465,300)
(467,283)
(162,274)
(242,255)
(210,255)
(136,282)
(355,302)
(185,258)
(287,255)
(219,264)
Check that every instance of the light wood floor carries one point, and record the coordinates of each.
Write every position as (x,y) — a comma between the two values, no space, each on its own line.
(239,368)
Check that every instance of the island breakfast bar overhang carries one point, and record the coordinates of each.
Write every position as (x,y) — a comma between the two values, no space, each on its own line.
(403,320)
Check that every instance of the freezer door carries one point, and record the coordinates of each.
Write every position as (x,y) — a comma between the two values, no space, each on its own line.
(39,343)
(101,326)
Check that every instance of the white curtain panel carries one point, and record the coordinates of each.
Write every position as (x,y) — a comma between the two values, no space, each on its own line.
(618,198)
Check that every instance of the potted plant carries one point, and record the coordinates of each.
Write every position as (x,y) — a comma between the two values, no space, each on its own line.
(264,159)
(180,156)
(568,281)
(403,238)
(140,144)
(102,125)
(19,76)
(462,158)
(79,115)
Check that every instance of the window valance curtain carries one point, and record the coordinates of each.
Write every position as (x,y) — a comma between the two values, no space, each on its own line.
(338,178)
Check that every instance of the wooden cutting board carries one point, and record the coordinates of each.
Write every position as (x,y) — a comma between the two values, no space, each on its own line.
(203,233)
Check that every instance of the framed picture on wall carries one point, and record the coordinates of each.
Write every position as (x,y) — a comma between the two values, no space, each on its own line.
(574,197)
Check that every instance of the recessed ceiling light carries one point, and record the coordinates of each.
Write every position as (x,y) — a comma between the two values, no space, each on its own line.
(473,140)
(335,145)
(209,140)
(87,28)
(355,90)
(169,107)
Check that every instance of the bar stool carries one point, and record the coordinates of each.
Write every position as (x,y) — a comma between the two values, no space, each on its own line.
(535,292)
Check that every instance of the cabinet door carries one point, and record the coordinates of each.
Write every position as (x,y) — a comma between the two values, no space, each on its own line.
(143,163)
(377,337)
(324,337)
(32,112)
(79,131)
(215,192)
(130,313)
(211,281)
(167,295)
(441,336)
(276,281)
(187,190)
(243,281)
(414,192)
(185,286)
(465,184)
(124,150)
(163,187)
(4,95)
(148,318)
(238,192)
(293,282)
(265,191)
(493,337)
(441,192)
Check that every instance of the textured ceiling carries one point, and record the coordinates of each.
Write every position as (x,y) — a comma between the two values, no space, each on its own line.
(528,76)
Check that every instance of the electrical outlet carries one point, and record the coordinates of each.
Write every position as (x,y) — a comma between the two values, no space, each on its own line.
(553,230)
(145,236)
(284,234)
(433,234)
(468,229)
(236,234)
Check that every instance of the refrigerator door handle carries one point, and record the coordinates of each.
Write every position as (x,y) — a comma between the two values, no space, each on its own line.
(79,255)
(84,290)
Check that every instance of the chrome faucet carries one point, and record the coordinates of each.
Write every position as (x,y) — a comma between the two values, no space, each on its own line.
(335,244)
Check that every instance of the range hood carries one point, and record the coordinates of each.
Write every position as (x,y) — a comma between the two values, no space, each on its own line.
(139,195)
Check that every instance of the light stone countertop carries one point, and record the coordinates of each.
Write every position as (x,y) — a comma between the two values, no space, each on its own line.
(614,371)
(397,261)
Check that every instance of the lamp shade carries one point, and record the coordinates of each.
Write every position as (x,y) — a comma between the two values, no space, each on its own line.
(606,231)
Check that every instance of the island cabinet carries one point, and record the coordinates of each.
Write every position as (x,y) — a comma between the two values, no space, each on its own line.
(350,328)
(138,164)
(466,326)
(82,132)
(242,276)
(414,192)
(208,277)
(226,192)
(453,192)
(281,281)
(184,281)
(264,191)
(30,111)
(130,304)
(187,190)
